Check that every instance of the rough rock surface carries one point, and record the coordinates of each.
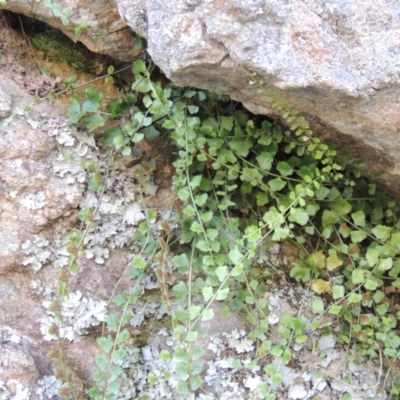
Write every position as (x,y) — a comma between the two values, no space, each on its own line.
(36,205)
(337,61)
(100,16)
(5,103)
(32,196)
(43,181)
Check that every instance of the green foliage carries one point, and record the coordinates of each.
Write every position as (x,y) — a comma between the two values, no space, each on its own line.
(115,346)
(80,28)
(63,13)
(243,184)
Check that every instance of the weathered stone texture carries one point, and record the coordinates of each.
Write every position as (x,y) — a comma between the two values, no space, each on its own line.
(31,196)
(100,16)
(337,61)
(5,103)
(35,205)
(19,366)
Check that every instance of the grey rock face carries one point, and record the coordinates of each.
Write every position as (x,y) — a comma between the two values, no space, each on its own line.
(18,370)
(32,196)
(5,103)
(337,61)
(39,195)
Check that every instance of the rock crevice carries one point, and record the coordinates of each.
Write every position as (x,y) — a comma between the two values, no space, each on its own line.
(337,62)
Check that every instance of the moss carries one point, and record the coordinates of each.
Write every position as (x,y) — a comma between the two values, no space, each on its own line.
(59,48)
(55,46)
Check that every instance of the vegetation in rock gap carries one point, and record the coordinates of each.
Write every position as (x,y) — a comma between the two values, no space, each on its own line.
(57,47)
(243,184)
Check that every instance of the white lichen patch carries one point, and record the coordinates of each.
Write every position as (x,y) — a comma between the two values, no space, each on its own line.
(297,392)
(20,392)
(78,313)
(78,150)
(326,342)
(133,215)
(37,253)
(34,201)
(34,124)
(13,193)
(48,387)
(39,288)
(99,254)
(8,334)
(110,205)
(149,309)
(40,252)
(237,340)
(61,130)
(69,165)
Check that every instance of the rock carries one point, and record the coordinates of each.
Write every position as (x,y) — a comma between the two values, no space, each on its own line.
(337,62)
(42,182)
(106,32)
(19,309)
(23,361)
(218,326)
(5,103)
(18,370)
(32,196)
(38,202)
(81,356)
(43,175)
